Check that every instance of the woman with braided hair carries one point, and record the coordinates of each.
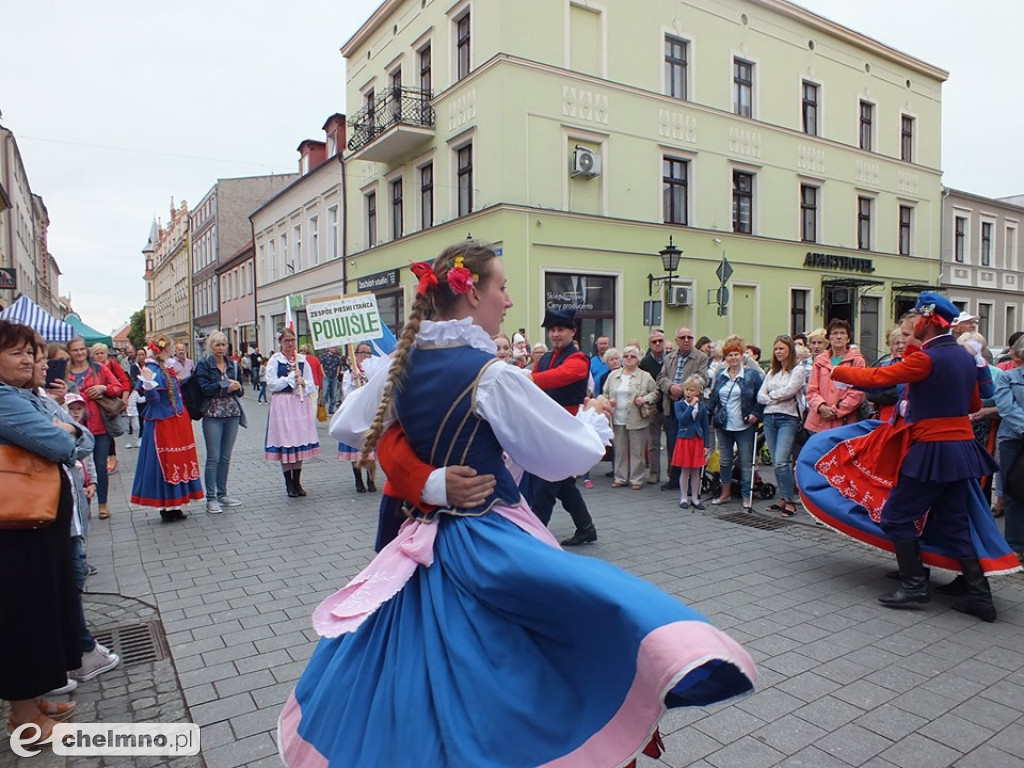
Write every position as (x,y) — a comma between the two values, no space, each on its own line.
(167,472)
(473,639)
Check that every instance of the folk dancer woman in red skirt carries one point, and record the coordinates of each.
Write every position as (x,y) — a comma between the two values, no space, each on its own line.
(167,472)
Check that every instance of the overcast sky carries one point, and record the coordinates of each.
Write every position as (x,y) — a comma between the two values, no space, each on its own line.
(121,105)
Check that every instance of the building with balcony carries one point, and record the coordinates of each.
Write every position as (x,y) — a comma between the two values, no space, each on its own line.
(581,137)
(982,261)
(297,237)
(219,229)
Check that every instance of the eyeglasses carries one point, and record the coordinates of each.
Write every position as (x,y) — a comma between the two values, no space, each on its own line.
(684,337)
(784,337)
(657,341)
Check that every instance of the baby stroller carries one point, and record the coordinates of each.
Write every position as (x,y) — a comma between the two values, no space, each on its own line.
(711,479)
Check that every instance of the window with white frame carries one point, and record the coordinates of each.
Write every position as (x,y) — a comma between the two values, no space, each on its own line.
(273,259)
(986,243)
(985,319)
(959,238)
(810,108)
(262,264)
(743,87)
(332,232)
(799,301)
(463,53)
(1010,246)
(464,179)
(864,210)
(906,138)
(867,125)
(314,240)
(808,213)
(371,220)
(906,213)
(427,196)
(397,218)
(743,202)
(297,246)
(676,51)
(286,267)
(674,190)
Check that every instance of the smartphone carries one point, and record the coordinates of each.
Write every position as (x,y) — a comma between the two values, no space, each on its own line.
(56,369)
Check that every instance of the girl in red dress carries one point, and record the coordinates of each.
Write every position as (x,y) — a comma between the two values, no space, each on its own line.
(693,444)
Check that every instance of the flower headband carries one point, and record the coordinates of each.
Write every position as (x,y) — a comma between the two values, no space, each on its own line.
(157,345)
(459,278)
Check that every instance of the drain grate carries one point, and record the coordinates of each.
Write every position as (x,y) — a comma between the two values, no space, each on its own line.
(753,521)
(134,643)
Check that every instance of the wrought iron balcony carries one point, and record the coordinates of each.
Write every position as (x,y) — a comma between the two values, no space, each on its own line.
(395,123)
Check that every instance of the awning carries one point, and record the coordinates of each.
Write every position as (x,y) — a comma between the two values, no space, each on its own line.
(27,312)
(848,282)
(89,334)
(916,288)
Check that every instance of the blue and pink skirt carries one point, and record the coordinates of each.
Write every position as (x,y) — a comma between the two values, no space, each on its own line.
(477,641)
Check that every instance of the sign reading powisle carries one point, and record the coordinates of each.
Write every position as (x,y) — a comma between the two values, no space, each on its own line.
(344,320)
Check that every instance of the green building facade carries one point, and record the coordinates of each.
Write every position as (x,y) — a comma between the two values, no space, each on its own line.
(580,137)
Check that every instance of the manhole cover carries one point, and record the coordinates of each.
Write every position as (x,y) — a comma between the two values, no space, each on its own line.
(134,643)
(753,521)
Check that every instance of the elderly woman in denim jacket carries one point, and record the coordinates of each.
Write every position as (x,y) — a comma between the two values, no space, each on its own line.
(735,412)
(38,606)
(1010,440)
(628,388)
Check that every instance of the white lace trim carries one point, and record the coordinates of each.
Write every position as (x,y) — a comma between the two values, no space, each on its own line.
(448,333)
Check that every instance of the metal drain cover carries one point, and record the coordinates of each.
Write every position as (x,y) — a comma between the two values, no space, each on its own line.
(753,521)
(134,643)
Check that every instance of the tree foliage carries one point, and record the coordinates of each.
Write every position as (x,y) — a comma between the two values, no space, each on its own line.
(137,331)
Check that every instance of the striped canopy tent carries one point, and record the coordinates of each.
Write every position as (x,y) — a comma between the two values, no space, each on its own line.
(27,312)
(89,334)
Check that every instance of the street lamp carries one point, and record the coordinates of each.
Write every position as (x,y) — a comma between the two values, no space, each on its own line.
(670,256)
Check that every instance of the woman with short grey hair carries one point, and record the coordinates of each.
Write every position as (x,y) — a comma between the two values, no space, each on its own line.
(220,381)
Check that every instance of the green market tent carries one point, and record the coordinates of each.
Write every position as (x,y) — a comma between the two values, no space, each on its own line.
(90,335)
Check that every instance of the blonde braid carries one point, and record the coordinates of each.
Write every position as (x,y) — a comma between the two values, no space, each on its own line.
(420,307)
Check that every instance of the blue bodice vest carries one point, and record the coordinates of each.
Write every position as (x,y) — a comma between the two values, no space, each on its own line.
(158,401)
(436,403)
(282,371)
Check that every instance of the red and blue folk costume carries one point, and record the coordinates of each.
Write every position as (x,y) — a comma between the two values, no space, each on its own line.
(473,639)
(879,482)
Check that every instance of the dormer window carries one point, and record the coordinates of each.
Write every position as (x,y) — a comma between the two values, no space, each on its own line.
(332,144)
(304,164)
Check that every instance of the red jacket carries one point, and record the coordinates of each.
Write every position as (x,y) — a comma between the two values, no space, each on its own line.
(97,374)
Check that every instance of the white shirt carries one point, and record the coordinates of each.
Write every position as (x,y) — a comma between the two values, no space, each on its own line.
(537,433)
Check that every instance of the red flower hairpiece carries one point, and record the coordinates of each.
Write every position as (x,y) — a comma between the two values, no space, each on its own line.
(425,273)
(460,279)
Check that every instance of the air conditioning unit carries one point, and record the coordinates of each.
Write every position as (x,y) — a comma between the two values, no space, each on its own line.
(585,163)
(680,296)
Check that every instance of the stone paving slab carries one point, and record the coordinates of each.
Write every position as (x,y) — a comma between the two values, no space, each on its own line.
(844,682)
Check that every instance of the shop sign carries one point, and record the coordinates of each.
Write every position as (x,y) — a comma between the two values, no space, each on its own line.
(378,281)
(834,261)
(8,279)
(344,320)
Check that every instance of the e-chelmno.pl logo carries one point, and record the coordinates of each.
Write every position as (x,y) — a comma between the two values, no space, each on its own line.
(101,739)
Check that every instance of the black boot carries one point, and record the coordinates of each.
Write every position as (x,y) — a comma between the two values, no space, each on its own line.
(957,586)
(370,485)
(299,490)
(895,576)
(913,587)
(289,483)
(360,488)
(979,594)
(587,536)
(167,516)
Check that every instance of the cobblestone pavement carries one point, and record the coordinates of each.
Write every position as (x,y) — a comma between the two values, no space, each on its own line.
(844,682)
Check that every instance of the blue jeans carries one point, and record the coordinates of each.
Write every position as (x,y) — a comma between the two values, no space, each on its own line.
(262,398)
(743,443)
(330,393)
(220,434)
(1013,510)
(86,640)
(100,454)
(780,431)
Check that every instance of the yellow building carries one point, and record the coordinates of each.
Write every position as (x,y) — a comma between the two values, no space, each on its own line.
(581,136)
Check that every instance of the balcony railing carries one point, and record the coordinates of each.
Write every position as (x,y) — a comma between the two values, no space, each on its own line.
(409,107)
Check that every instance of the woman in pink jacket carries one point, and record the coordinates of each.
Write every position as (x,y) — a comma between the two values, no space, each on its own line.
(830,404)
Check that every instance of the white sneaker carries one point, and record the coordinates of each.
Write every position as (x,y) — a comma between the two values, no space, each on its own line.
(213,507)
(96,662)
(71,685)
(228,501)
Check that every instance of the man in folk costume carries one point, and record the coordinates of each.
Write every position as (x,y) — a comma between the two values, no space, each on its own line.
(563,373)
(933,458)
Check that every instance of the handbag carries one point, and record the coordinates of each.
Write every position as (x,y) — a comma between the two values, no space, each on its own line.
(31,489)
(321,410)
(110,413)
